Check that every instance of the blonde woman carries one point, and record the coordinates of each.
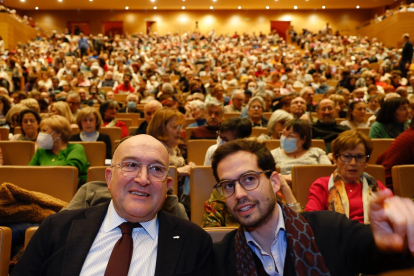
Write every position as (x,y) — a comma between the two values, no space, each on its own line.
(63,109)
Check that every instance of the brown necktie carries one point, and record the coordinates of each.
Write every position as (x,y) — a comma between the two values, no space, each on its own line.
(121,255)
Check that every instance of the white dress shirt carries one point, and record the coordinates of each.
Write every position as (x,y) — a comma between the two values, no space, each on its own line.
(273,263)
(145,240)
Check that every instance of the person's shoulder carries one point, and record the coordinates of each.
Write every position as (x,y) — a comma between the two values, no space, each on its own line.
(181,224)
(317,151)
(75,137)
(103,136)
(222,247)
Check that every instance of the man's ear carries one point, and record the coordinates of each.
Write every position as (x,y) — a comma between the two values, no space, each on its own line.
(169,184)
(274,179)
(108,176)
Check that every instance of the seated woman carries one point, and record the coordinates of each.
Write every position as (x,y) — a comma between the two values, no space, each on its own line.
(255,109)
(356,115)
(167,125)
(63,109)
(348,190)
(89,121)
(217,93)
(54,149)
(296,148)
(400,152)
(29,121)
(108,111)
(11,117)
(392,119)
(275,125)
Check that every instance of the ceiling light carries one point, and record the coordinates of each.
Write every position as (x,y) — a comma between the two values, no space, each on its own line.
(323,7)
(239,7)
(267,7)
(183,7)
(22,0)
(127,8)
(90,0)
(37,8)
(211,7)
(60,0)
(214,0)
(357,7)
(152,0)
(155,8)
(295,7)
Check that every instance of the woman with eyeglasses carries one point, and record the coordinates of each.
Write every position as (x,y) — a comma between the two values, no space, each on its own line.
(29,121)
(296,148)
(356,115)
(108,111)
(349,189)
(392,119)
(167,125)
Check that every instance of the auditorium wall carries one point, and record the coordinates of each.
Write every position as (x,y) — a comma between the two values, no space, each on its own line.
(223,21)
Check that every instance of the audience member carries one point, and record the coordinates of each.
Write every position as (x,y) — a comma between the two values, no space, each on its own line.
(89,121)
(255,109)
(29,122)
(237,100)
(356,114)
(108,111)
(149,109)
(198,113)
(213,114)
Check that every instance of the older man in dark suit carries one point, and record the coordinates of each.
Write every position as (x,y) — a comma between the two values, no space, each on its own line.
(90,241)
(407,55)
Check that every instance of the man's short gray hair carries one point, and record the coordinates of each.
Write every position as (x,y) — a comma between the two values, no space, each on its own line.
(214,103)
(72,95)
(305,90)
(237,92)
(197,103)
(167,88)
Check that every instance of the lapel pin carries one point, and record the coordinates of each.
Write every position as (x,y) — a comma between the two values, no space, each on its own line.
(176,237)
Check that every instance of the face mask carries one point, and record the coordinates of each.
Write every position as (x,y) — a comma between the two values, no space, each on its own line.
(45,140)
(220,142)
(132,105)
(288,145)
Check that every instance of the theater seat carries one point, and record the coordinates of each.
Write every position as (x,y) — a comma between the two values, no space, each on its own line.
(380,146)
(5,250)
(402,181)
(257,131)
(202,182)
(115,133)
(196,150)
(58,181)
(405,272)
(17,153)
(29,234)
(4,133)
(218,233)
(95,152)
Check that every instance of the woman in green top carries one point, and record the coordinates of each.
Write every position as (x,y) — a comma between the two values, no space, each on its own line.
(54,149)
(392,119)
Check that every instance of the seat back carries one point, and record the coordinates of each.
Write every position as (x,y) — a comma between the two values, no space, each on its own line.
(188,133)
(98,174)
(316,143)
(257,131)
(401,180)
(5,250)
(58,181)
(132,116)
(317,97)
(189,122)
(126,121)
(227,116)
(380,146)
(304,175)
(196,150)
(115,133)
(29,234)
(95,152)
(17,130)
(405,272)
(202,182)
(17,153)
(120,97)
(267,115)
(4,133)
(339,120)
(364,130)
(218,233)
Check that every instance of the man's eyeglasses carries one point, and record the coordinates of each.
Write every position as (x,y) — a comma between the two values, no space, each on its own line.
(360,158)
(156,172)
(249,181)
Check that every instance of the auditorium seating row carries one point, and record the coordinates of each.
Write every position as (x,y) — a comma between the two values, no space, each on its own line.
(43,179)
(19,153)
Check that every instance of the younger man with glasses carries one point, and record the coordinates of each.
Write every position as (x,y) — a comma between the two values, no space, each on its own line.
(274,240)
(93,241)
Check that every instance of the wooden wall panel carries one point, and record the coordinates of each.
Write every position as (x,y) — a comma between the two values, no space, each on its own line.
(14,31)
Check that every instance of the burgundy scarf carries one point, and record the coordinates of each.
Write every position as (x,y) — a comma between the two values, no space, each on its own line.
(299,235)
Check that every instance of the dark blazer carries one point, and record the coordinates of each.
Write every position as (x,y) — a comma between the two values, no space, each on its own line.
(101,138)
(63,240)
(407,53)
(347,246)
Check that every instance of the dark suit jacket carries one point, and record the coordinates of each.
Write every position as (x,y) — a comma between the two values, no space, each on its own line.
(63,240)
(101,138)
(407,53)
(327,132)
(347,247)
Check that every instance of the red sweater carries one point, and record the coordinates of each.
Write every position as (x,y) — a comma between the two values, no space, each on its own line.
(318,198)
(400,152)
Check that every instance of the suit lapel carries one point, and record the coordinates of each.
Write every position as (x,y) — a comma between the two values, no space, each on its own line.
(80,239)
(170,243)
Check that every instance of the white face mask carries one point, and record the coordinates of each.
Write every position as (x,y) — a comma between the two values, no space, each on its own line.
(45,140)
